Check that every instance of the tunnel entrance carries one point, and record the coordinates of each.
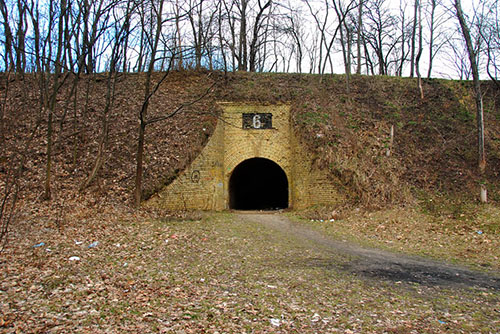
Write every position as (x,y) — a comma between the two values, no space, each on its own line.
(258,184)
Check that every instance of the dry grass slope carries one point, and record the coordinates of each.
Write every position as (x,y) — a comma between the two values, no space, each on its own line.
(433,149)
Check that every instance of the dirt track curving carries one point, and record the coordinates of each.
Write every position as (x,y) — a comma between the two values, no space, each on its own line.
(376,263)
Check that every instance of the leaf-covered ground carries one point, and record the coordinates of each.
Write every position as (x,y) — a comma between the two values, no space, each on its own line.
(222,273)
(218,273)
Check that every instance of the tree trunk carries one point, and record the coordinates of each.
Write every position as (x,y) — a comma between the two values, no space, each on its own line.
(242,53)
(144,109)
(48,168)
(399,71)
(358,42)
(413,37)
(348,65)
(75,126)
(419,53)
(255,38)
(221,40)
(140,54)
(477,87)
(126,30)
(85,8)
(199,51)
(103,141)
(8,57)
(21,37)
(138,173)
(180,64)
(431,38)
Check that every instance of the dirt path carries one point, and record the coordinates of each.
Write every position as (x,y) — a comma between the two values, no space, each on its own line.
(376,263)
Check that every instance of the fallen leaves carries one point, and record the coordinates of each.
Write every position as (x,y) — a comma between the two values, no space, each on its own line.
(215,274)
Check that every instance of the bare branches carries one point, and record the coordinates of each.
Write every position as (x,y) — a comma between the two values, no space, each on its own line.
(10,183)
(473,51)
(182,106)
(254,35)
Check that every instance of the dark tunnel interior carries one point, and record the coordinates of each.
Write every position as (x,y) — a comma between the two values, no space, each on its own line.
(258,184)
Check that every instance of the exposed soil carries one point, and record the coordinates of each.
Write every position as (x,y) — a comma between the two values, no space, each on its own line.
(376,263)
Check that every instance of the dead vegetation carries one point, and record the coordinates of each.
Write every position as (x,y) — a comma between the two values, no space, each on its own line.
(433,146)
(432,149)
(217,274)
(209,272)
(170,146)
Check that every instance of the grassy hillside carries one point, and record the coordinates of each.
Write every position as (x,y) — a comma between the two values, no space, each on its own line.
(434,149)
(433,154)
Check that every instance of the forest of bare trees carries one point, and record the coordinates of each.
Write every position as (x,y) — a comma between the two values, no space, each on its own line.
(390,37)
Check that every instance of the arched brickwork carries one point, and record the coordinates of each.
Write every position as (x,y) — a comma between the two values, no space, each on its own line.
(247,131)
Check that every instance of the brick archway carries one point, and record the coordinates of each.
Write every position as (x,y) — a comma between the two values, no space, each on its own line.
(207,183)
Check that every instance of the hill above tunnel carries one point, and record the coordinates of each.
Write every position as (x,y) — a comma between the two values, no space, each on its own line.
(347,129)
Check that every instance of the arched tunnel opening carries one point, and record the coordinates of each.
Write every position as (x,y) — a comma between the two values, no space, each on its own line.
(258,184)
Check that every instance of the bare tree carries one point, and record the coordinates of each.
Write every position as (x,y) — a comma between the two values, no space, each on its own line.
(150,88)
(127,32)
(329,30)
(154,40)
(51,84)
(11,184)
(95,15)
(420,48)
(431,38)
(242,46)
(312,51)
(22,27)
(222,40)
(490,34)
(295,29)
(121,31)
(8,57)
(416,6)
(231,42)
(404,31)
(201,27)
(457,56)
(178,40)
(321,26)
(359,35)
(380,34)
(258,25)
(473,54)
(345,40)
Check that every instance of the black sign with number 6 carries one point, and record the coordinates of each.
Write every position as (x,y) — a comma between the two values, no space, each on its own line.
(257,121)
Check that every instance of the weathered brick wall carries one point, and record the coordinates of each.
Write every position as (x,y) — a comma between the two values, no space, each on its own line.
(205,184)
(200,186)
(242,144)
(311,185)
